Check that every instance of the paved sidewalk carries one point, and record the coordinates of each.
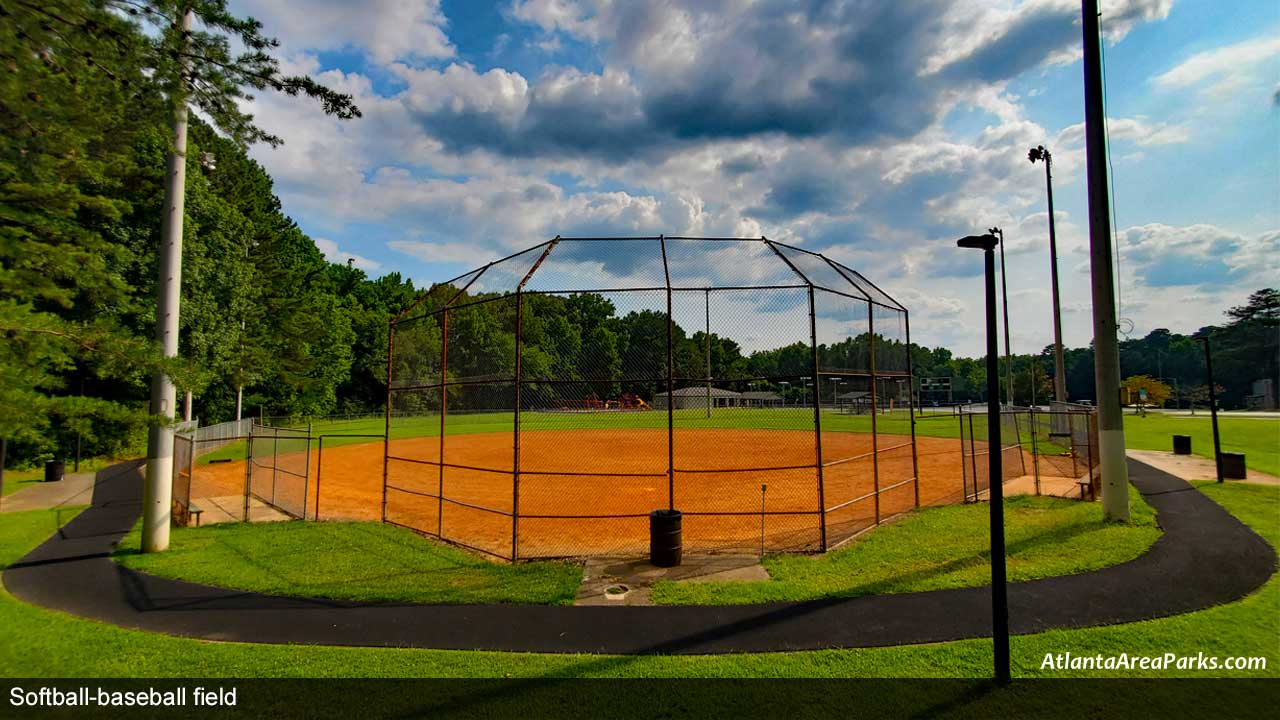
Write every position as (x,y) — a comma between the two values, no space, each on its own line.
(72,489)
(1205,557)
(1194,467)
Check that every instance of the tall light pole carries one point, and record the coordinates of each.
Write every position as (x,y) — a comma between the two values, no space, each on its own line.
(995,488)
(157,492)
(1004,296)
(1039,152)
(1106,348)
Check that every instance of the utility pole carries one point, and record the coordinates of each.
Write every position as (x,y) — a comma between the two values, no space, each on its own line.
(1106,349)
(1059,365)
(157,495)
(1004,294)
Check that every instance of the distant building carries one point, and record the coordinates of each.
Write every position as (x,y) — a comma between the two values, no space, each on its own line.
(761,398)
(695,398)
(1263,396)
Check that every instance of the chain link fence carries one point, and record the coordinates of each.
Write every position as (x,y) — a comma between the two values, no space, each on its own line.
(545,404)
(1045,452)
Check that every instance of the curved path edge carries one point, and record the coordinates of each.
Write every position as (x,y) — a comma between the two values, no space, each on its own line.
(1205,557)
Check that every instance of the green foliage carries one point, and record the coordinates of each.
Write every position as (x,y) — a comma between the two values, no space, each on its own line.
(85,97)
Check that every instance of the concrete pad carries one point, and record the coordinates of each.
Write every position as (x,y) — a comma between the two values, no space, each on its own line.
(72,489)
(230,508)
(1194,467)
(637,576)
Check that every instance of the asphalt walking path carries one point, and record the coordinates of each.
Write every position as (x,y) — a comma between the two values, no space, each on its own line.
(1205,557)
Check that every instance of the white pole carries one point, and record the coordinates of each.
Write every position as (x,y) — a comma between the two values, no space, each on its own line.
(1106,349)
(157,495)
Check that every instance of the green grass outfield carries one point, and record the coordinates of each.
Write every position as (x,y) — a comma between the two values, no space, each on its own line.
(931,548)
(1258,438)
(40,643)
(791,418)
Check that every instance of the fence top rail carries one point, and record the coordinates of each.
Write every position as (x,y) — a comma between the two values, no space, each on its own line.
(348,434)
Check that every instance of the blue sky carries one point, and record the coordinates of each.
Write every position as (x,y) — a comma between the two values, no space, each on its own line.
(874,131)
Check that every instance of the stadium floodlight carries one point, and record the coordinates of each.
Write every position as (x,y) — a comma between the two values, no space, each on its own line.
(1041,153)
(995,490)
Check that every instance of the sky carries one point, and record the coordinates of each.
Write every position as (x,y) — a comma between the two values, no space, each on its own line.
(873,131)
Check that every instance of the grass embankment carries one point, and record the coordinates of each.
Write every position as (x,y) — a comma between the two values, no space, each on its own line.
(943,547)
(37,643)
(347,561)
(1258,438)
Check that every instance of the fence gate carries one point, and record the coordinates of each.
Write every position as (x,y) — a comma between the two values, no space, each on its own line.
(279,468)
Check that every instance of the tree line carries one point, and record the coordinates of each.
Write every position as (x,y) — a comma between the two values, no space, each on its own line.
(1246,348)
(268,325)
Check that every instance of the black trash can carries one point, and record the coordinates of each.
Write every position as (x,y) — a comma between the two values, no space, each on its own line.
(1181,444)
(54,470)
(1233,466)
(664,538)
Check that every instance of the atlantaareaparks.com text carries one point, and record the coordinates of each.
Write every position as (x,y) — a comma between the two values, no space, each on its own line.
(1167,661)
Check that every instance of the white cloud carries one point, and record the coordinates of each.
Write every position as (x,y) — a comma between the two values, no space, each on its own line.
(386,30)
(335,254)
(1224,71)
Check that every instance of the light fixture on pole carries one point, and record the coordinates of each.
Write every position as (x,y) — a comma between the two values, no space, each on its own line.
(995,490)
(1041,153)
(1004,298)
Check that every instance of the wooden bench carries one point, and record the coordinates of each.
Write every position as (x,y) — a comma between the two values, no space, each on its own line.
(194,509)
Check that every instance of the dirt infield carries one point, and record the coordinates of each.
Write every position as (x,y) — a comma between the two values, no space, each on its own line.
(589,491)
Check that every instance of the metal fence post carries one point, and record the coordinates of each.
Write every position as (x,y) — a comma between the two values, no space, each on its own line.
(315,514)
(973,455)
(306,479)
(386,424)
(875,409)
(707,300)
(444,405)
(671,438)
(248,472)
(911,407)
(817,423)
(275,460)
(515,441)
(1035,450)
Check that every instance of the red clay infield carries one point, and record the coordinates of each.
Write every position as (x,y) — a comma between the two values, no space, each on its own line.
(590,491)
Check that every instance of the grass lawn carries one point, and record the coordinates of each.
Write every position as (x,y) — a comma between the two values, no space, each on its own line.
(38,643)
(15,480)
(1257,438)
(942,547)
(347,561)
